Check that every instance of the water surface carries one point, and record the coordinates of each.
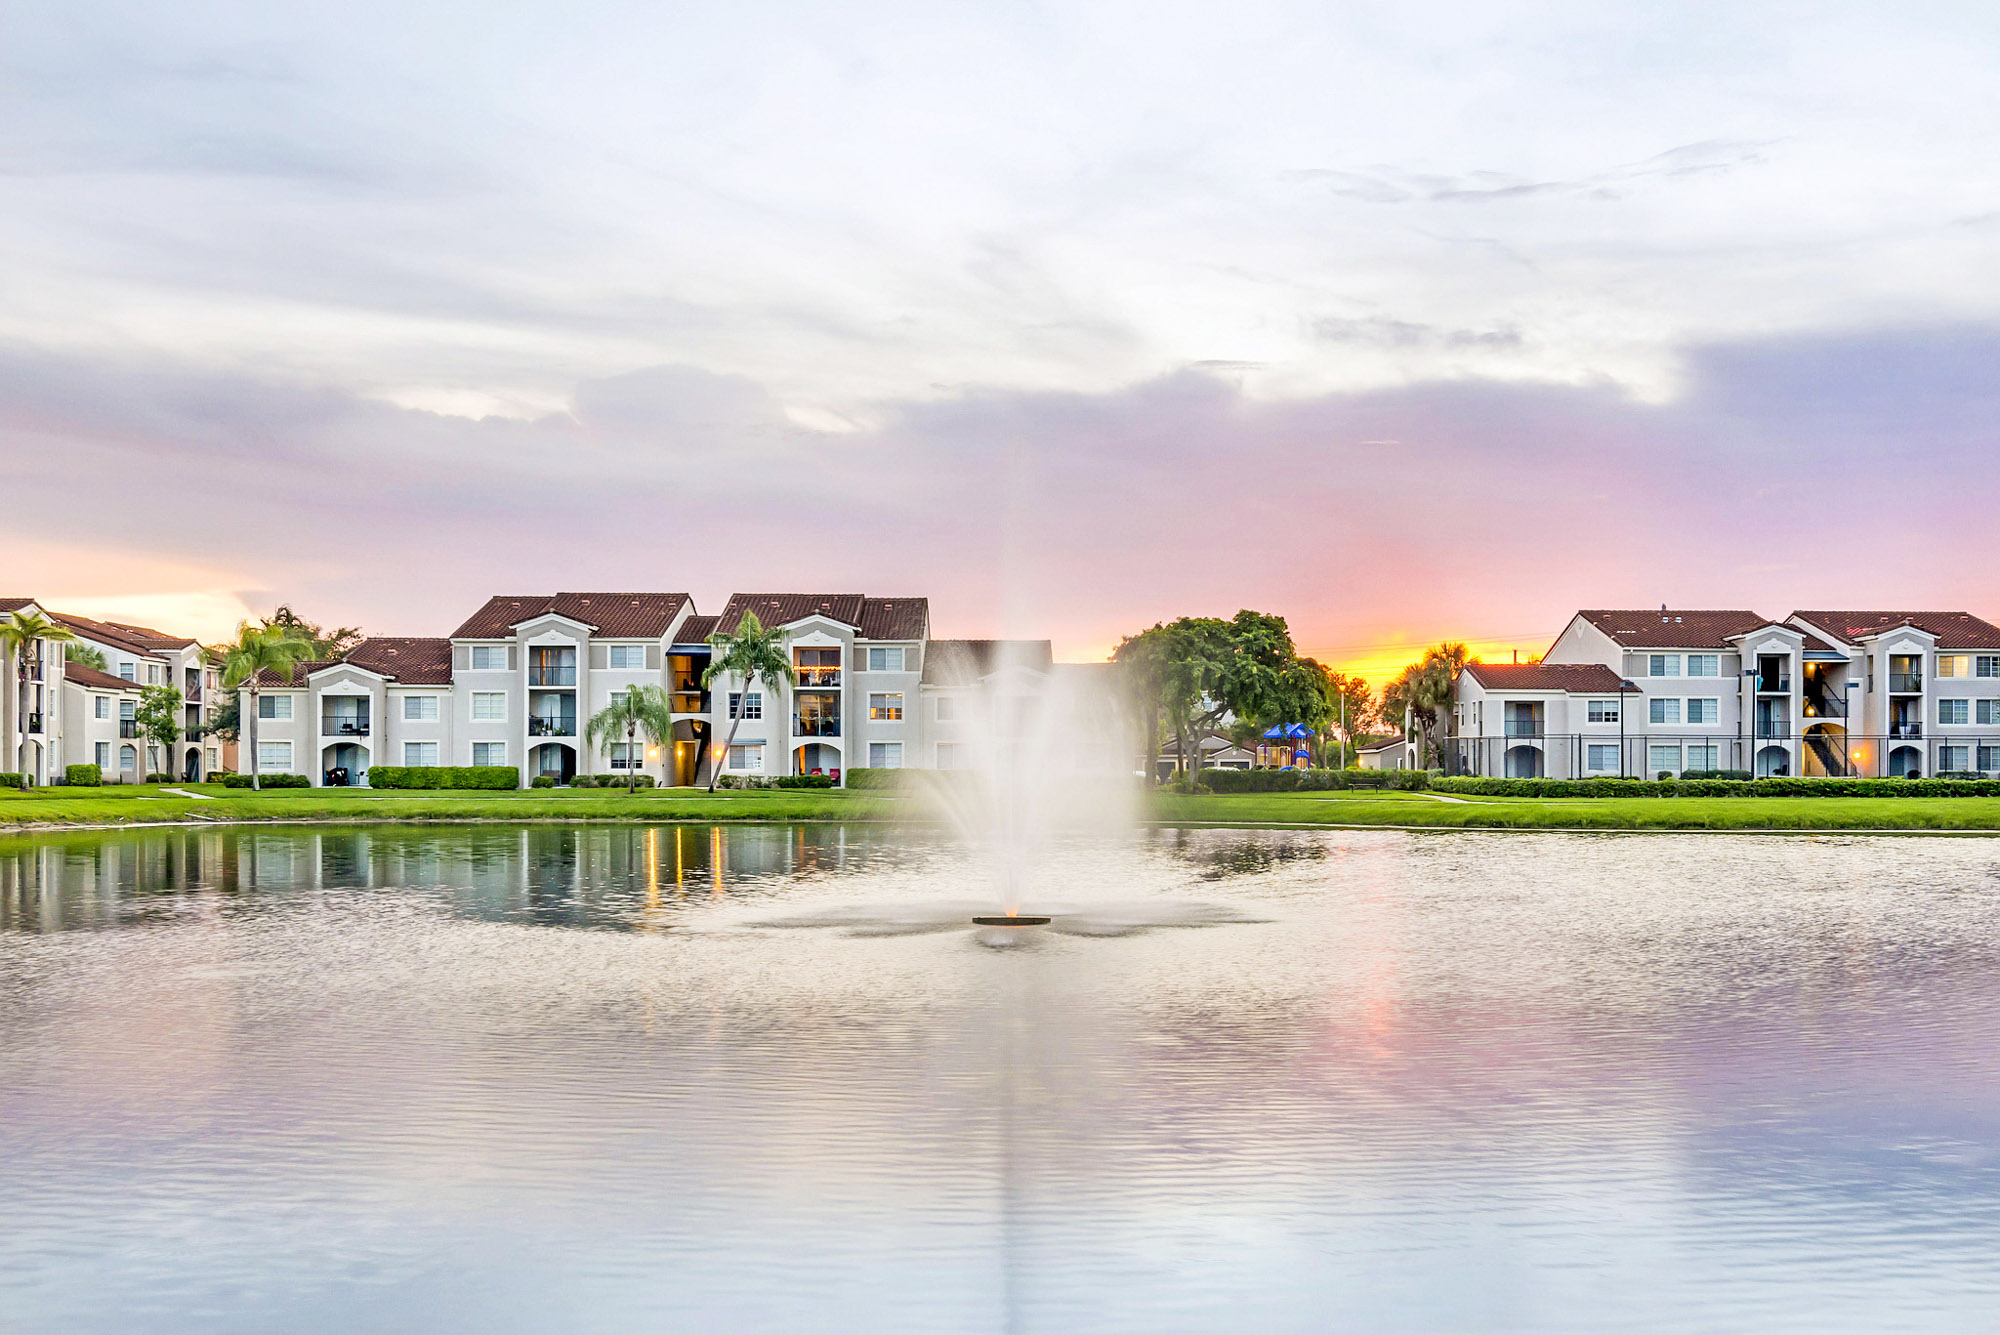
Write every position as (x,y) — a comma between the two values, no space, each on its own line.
(497,1080)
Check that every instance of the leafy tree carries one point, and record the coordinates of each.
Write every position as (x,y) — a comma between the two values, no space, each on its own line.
(225,720)
(1354,711)
(19,634)
(324,643)
(77,652)
(1423,693)
(753,654)
(159,719)
(646,710)
(256,650)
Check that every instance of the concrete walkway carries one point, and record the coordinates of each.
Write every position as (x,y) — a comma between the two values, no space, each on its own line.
(182,792)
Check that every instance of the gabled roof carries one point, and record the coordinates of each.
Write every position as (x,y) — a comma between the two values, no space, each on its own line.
(405,660)
(1672,629)
(83,674)
(611,615)
(1380,744)
(1953,630)
(967,662)
(872,618)
(157,638)
(695,630)
(1591,678)
(107,632)
(15,604)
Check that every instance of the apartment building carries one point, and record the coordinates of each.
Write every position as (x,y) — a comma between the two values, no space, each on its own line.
(1642,693)
(31,711)
(145,657)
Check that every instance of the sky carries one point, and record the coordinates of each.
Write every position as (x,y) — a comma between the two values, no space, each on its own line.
(1405,322)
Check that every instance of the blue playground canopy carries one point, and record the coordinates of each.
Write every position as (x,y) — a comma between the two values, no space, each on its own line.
(1293,732)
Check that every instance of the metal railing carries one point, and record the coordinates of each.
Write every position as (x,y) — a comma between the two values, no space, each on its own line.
(1906,683)
(815,727)
(552,676)
(690,702)
(1644,755)
(562,725)
(1524,730)
(343,725)
(1906,730)
(1774,685)
(817,676)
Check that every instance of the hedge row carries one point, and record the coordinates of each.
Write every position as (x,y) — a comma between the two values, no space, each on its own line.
(610,781)
(83,776)
(444,776)
(1777,787)
(267,781)
(1310,780)
(11,779)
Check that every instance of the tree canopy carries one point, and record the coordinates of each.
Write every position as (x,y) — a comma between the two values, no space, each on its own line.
(1423,693)
(323,643)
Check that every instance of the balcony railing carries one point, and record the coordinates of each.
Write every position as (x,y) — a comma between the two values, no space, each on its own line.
(562,725)
(1906,683)
(1906,729)
(1826,706)
(552,676)
(690,702)
(343,726)
(1767,685)
(815,727)
(818,676)
(1514,729)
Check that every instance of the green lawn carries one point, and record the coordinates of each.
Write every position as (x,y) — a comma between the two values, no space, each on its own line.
(126,805)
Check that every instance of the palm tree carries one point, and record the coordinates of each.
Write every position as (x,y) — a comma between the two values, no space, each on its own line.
(754,654)
(256,650)
(19,633)
(643,709)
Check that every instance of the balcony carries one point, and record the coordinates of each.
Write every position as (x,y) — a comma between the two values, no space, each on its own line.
(1906,730)
(552,676)
(1906,683)
(815,727)
(1515,728)
(560,725)
(690,702)
(1774,685)
(344,725)
(810,677)
(31,669)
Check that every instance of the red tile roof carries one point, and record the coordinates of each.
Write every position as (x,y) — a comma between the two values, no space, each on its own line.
(14,604)
(1954,630)
(872,618)
(695,630)
(83,674)
(405,660)
(611,615)
(966,662)
(1675,629)
(1579,677)
(158,638)
(106,632)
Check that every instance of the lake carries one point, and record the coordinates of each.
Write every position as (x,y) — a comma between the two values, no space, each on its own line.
(574,1079)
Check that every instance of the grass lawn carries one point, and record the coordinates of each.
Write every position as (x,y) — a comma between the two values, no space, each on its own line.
(132,804)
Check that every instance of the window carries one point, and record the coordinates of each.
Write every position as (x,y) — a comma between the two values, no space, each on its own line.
(489,753)
(1603,711)
(1703,711)
(1954,665)
(1662,757)
(104,755)
(750,706)
(625,755)
(1704,665)
(212,759)
(103,706)
(950,755)
(885,706)
(1989,757)
(1989,712)
(1602,759)
(885,660)
(1701,757)
(627,657)
(947,709)
(274,755)
(1665,711)
(489,657)
(1986,665)
(1954,711)
(420,708)
(1666,665)
(421,754)
(489,706)
(128,759)
(747,756)
(128,711)
(152,674)
(1954,758)
(274,706)
(885,755)
(127,670)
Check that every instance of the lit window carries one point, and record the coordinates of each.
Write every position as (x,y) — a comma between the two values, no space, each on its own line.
(277,707)
(1665,711)
(1666,665)
(886,706)
(420,754)
(885,755)
(489,657)
(1954,665)
(1953,711)
(1704,665)
(1603,711)
(885,659)
(627,657)
(420,708)
(489,706)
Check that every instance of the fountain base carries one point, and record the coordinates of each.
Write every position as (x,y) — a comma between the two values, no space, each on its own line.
(1012,920)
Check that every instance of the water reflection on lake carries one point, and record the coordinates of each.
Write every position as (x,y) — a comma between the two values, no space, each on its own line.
(561,1079)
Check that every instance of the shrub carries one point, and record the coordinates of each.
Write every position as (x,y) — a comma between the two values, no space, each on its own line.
(879,778)
(1772,787)
(542,781)
(83,776)
(1307,780)
(1715,774)
(268,781)
(159,778)
(504,777)
(13,780)
(582,781)
(803,781)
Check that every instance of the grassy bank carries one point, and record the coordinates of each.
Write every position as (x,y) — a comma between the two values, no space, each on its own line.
(133,805)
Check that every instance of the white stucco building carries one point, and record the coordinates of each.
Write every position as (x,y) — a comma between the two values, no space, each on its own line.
(1641,693)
